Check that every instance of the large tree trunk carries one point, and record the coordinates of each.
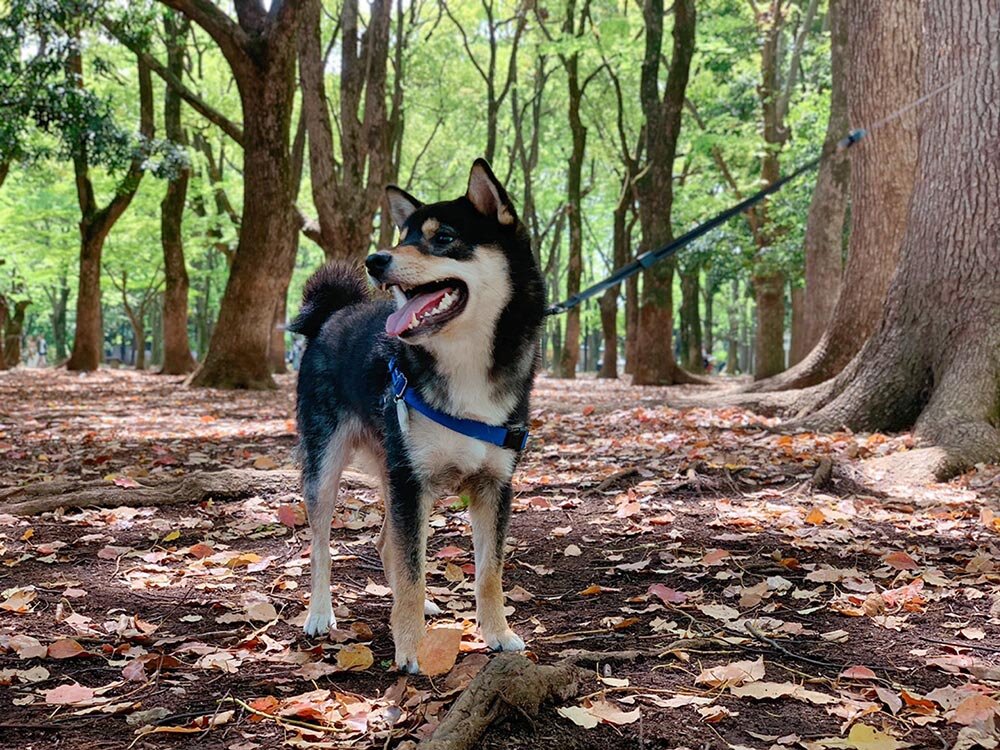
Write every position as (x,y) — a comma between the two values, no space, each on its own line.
(933,358)
(655,363)
(238,353)
(824,238)
(883,76)
(177,357)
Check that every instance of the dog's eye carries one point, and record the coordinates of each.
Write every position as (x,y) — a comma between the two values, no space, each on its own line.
(444,237)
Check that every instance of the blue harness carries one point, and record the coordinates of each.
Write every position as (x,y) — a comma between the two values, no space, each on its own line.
(512,438)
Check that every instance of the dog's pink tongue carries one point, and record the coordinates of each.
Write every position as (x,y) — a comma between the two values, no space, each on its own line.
(399,321)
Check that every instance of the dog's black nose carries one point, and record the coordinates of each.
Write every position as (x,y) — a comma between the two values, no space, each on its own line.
(377,263)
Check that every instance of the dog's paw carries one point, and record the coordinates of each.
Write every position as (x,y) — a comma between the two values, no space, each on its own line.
(431,609)
(408,664)
(506,641)
(320,621)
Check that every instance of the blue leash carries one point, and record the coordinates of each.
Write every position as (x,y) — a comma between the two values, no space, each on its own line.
(512,438)
(654,256)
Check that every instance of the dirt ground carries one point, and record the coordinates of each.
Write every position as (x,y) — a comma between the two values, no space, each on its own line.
(775,611)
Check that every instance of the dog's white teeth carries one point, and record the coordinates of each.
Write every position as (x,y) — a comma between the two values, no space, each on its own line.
(413,321)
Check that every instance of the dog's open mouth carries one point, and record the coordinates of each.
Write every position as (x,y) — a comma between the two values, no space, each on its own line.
(426,306)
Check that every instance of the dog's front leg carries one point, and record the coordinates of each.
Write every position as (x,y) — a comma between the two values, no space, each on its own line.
(403,547)
(490,514)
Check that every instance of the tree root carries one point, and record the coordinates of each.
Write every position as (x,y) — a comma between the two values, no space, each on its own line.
(229,484)
(512,684)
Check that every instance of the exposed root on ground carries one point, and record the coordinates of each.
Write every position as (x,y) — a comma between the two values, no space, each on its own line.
(512,684)
(229,484)
(767,404)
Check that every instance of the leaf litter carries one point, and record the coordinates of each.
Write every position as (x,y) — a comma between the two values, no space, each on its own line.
(866,616)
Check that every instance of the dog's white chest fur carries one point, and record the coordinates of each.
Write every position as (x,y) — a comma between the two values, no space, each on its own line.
(443,456)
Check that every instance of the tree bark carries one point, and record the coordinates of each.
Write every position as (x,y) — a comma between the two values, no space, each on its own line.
(691,343)
(574,196)
(932,361)
(347,192)
(708,336)
(59,298)
(260,49)
(655,363)
(824,238)
(13,329)
(95,222)
(4,314)
(882,76)
(769,343)
(631,323)
(177,359)
(798,348)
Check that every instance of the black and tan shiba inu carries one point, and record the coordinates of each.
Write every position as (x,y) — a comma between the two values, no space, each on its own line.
(431,389)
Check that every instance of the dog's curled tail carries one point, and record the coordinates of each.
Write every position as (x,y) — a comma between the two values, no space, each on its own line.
(333,287)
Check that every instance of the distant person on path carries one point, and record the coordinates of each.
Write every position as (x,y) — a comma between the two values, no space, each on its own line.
(30,352)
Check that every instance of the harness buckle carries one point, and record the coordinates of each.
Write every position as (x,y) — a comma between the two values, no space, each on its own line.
(516,439)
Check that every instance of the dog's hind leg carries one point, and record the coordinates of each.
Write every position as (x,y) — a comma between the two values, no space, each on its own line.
(403,547)
(490,514)
(320,488)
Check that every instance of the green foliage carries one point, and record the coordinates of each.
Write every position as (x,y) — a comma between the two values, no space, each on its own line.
(46,121)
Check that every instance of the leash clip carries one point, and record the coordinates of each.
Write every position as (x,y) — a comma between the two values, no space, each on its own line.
(399,381)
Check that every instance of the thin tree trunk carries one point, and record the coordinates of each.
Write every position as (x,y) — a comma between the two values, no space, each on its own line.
(4,314)
(574,196)
(139,343)
(156,327)
(655,363)
(96,223)
(734,312)
(933,358)
(769,343)
(13,329)
(798,348)
(883,76)
(824,238)
(177,357)
(708,336)
(691,343)
(88,342)
(631,323)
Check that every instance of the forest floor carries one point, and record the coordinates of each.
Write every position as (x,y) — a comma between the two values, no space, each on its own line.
(840,614)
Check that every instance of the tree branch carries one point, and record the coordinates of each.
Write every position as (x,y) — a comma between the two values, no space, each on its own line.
(198,104)
(232,40)
(793,69)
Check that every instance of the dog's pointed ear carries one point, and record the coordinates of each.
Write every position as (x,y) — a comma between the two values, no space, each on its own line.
(488,195)
(401,205)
